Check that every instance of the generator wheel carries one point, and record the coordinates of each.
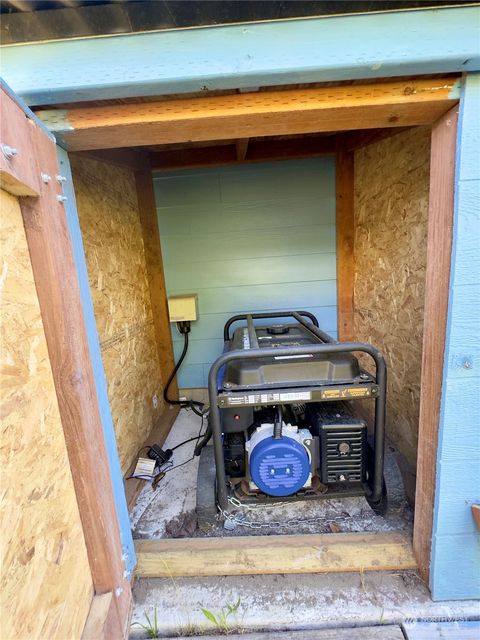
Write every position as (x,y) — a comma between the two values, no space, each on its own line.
(380,507)
(206,491)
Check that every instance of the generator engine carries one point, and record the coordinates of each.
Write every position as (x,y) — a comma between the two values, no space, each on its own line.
(279,464)
(325,447)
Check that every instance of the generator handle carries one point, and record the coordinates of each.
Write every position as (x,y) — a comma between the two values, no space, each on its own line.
(268,314)
(317,332)
(375,493)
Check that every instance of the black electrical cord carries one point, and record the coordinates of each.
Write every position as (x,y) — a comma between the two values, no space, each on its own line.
(197,438)
(184,328)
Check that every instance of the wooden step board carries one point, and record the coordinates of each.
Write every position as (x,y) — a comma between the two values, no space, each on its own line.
(255,555)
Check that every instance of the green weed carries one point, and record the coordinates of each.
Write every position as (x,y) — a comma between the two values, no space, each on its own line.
(222,619)
(150,626)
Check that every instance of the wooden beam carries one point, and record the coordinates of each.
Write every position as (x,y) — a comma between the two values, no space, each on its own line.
(264,113)
(125,158)
(158,435)
(359,139)
(437,280)
(258,151)
(260,555)
(345,243)
(242,148)
(156,280)
(280,52)
(56,281)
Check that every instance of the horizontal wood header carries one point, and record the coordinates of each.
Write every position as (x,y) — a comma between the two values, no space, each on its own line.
(264,113)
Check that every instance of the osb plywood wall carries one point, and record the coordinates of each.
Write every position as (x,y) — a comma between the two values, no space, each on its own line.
(112,235)
(391,208)
(46,586)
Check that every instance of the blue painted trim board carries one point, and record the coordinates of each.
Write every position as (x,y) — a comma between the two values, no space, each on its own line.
(455,560)
(361,46)
(97,364)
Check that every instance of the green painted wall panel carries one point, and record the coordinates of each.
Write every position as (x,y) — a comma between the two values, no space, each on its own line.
(237,272)
(247,238)
(305,239)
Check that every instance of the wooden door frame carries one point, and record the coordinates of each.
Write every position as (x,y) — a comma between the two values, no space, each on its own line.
(437,280)
(32,173)
(86,128)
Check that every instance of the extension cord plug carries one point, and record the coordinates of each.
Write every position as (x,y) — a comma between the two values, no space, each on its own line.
(159,455)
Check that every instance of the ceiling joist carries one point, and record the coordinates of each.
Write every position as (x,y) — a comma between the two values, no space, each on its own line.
(264,113)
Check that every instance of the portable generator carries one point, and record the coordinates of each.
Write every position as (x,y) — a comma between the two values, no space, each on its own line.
(284,418)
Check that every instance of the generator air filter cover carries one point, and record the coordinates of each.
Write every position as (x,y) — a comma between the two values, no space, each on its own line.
(279,467)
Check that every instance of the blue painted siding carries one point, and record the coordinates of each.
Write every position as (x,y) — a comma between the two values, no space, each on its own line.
(240,56)
(455,570)
(247,238)
(128,547)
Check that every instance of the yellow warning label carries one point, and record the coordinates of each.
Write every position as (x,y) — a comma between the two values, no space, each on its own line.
(352,392)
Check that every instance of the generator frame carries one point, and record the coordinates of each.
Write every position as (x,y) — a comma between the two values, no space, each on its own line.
(328,346)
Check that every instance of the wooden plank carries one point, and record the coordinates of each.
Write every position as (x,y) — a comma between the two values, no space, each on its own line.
(274,554)
(345,238)
(156,278)
(258,151)
(95,625)
(437,279)
(58,292)
(159,433)
(340,108)
(382,632)
(19,174)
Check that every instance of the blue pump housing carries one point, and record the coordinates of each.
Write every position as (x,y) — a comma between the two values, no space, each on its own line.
(279,467)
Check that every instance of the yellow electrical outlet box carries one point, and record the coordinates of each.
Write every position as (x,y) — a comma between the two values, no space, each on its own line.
(183,308)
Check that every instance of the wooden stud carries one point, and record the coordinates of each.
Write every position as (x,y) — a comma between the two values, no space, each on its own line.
(345,243)
(242,148)
(156,279)
(261,555)
(97,617)
(265,113)
(437,279)
(58,293)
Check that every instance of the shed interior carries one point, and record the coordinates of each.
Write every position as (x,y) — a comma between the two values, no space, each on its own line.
(384,243)
(337,218)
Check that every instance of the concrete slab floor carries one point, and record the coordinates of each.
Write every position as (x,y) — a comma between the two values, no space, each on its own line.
(291,602)
(169,510)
